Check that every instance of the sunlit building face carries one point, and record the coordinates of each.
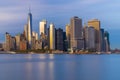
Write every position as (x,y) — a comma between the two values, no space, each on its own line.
(43,27)
(29,28)
(96,24)
(52,36)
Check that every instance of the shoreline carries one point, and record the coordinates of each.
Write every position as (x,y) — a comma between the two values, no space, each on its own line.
(80,53)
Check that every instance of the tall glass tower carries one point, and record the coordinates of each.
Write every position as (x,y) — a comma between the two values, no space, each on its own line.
(95,23)
(29,29)
(52,36)
(76,33)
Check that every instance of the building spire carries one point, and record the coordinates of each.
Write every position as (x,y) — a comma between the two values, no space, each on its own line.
(29,9)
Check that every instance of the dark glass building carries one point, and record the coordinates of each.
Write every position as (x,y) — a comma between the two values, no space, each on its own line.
(102,40)
(59,39)
(107,41)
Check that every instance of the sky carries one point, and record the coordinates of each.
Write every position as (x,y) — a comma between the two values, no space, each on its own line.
(13,15)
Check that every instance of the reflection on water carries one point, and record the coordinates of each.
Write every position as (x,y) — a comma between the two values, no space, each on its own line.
(51,56)
(42,70)
(51,70)
(28,70)
(59,67)
(42,56)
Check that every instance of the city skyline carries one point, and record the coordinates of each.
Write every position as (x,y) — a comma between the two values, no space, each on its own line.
(15,15)
(76,38)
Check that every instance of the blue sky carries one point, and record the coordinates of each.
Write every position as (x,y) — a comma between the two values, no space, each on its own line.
(13,14)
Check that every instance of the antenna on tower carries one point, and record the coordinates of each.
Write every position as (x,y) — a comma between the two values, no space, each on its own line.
(29,9)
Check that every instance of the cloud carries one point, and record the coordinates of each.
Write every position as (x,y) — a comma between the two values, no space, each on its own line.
(17,10)
(13,13)
(90,2)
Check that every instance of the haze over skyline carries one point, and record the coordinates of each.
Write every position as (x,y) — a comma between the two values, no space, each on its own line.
(13,15)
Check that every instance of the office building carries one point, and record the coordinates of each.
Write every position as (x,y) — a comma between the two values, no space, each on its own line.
(96,24)
(44,40)
(1,47)
(38,45)
(17,38)
(89,35)
(107,42)
(7,42)
(102,40)
(43,27)
(35,35)
(76,36)
(10,42)
(52,36)
(33,43)
(26,31)
(13,43)
(65,42)
(29,29)
(23,45)
(48,38)
(68,31)
(59,39)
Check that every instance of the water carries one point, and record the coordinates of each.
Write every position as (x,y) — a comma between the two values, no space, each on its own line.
(59,67)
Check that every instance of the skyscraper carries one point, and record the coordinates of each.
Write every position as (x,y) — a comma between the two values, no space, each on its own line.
(43,27)
(26,31)
(65,43)
(17,37)
(7,42)
(102,40)
(33,43)
(89,35)
(10,42)
(76,33)
(13,43)
(29,29)
(44,40)
(59,39)
(52,36)
(48,37)
(96,24)
(107,42)
(68,35)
